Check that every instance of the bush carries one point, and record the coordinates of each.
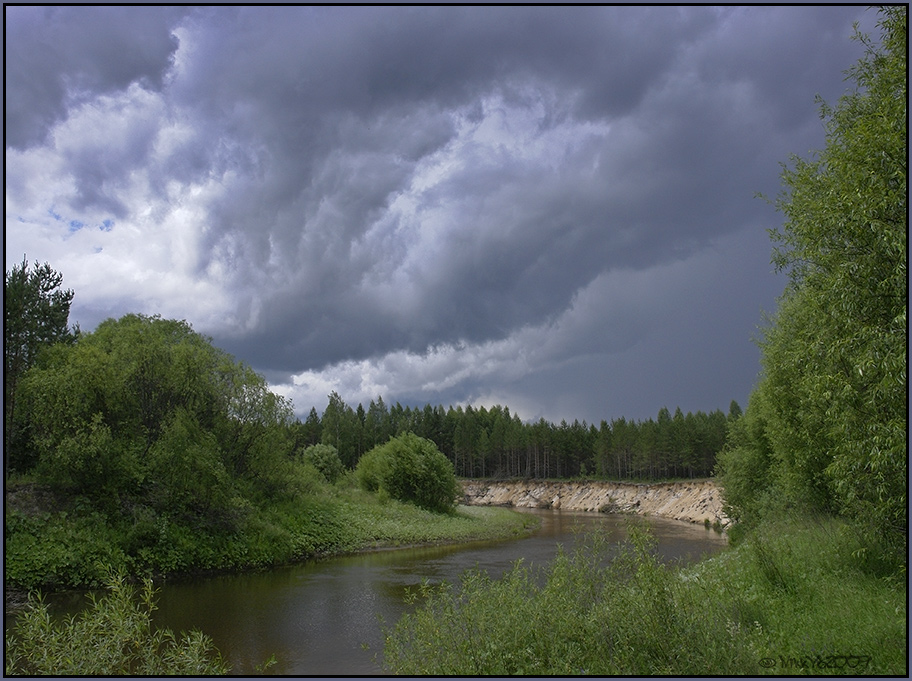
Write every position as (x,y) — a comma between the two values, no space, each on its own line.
(576,616)
(410,468)
(325,458)
(59,550)
(113,637)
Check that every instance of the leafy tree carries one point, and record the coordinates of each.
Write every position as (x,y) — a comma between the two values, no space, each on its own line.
(835,357)
(325,458)
(35,314)
(185,470)
(145,408)
(377,423)
(341,429)
(410,468)
(832,402)
(309,432)
(745,467)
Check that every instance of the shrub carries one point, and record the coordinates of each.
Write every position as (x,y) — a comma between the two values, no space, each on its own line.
(325,458)
(576,616)
(410,468)
(59,550)
(113,637)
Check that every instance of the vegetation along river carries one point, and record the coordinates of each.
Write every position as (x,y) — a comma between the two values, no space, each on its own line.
(326,617)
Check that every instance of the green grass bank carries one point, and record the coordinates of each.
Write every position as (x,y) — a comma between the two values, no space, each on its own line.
(54,543)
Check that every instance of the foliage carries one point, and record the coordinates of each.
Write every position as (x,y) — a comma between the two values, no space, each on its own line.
(35,314)
(145,409)
(410,468)
(185,471)
(157,453)
(59,550)
(71,548)
(745,466)
(340,428)
(165,441)
(325,458)
(370,470)
(833,398)
(789,601)
(484,442)
(113,637)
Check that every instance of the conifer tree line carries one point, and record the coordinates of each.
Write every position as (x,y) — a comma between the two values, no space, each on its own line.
(493,442)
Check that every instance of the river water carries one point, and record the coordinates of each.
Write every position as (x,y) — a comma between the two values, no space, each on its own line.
(326,617)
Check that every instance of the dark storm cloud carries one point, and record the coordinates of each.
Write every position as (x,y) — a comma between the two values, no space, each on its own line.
(691,140)
(687,95)
(358,182)
(57,55)
(329,116)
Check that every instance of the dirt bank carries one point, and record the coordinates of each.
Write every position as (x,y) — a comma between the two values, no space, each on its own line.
(695,501)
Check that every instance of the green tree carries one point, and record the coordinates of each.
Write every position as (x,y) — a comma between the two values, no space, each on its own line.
(35,315)
(745,466)
(377,423)
(325,458)
(186,475)
(410,468)
(310,432)
(341,429)
(144,407)
(834,357)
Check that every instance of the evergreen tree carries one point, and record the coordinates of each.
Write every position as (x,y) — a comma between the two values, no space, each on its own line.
(35,316)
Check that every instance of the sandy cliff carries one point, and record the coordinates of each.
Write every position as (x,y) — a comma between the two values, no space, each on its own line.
(695,501)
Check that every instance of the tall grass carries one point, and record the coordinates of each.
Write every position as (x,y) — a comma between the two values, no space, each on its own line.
(790,600)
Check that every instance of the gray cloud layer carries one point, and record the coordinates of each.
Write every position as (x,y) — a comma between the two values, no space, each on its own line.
(325,190)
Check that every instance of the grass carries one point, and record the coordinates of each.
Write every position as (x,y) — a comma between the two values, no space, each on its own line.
(794,598)
(393,523)
(811,603)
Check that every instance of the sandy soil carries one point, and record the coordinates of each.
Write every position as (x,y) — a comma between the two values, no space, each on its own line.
(695,501)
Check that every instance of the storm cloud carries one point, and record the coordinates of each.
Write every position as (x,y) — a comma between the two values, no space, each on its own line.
(552,208)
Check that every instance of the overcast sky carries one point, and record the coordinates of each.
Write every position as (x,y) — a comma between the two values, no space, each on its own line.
(548,208)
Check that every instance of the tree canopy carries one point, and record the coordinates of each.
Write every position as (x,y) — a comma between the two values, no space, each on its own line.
(144,408)
(35,315)
(833,396)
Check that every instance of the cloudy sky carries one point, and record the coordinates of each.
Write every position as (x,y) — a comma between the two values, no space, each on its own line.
(549,208)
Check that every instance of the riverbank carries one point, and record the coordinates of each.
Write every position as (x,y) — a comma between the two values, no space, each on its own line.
(799,596)
(53,544)
(697,501)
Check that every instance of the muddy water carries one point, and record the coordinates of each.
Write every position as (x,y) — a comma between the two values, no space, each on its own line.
(326,617)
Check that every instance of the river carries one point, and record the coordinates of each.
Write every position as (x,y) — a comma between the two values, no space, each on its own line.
(324,617)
